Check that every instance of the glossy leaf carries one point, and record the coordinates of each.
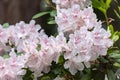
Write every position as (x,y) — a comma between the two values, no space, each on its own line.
(40,14)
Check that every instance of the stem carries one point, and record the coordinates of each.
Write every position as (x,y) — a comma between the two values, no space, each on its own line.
(50,4)
(106,17)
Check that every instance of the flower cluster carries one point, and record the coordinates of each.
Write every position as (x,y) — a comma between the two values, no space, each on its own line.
(87,39)
(13,42)
(27,46)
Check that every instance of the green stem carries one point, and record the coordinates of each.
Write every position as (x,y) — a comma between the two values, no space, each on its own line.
(106,17)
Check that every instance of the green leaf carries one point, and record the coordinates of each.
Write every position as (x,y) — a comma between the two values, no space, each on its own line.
(53,13)
(119,8)
(5,25)
(118,15)
(96,3)
(28,75)
(108,3)
(61,59)
(116,56)
(117,60)
(103,60)
(116,64)
(110,27)
(113,50)
(111,75)
(101,5)
(115,38)
(52,22)
(45,78)
(40,14)
(102,10)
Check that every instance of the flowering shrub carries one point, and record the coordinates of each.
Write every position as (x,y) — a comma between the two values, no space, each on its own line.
(82,49)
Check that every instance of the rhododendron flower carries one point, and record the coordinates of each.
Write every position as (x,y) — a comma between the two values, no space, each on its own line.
(87,39)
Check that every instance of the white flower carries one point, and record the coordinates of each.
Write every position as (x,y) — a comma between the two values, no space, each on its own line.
(73,66)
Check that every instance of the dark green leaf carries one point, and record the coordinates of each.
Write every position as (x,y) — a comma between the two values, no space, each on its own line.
(61,59)
(96,3)
(28,75)
(103,60)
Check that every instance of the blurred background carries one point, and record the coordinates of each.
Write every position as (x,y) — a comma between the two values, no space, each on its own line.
(13,11)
